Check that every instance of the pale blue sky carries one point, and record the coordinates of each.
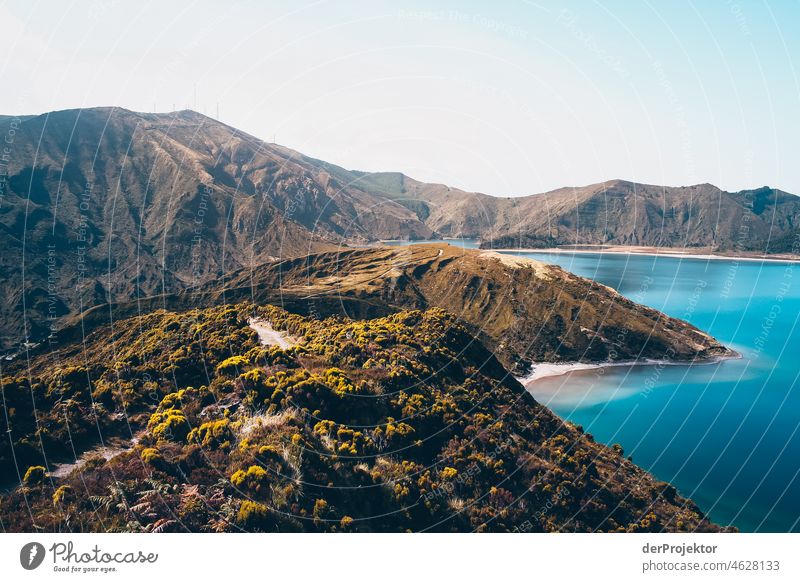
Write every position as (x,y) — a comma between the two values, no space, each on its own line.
(507,98)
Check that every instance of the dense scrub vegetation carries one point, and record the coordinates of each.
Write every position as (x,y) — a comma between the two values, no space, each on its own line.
(392,424)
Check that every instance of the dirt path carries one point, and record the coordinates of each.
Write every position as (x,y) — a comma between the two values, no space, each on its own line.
(112,448)
(269,336)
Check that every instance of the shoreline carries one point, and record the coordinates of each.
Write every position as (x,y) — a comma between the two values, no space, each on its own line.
(614,250)
(667,253)
(542,370)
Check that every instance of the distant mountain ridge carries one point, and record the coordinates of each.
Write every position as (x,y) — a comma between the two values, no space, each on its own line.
(106,205)
(616,212)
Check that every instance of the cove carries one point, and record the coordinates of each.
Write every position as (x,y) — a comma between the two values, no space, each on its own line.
(725,434)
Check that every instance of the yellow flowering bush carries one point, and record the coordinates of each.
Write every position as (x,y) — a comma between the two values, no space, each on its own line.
(34,475)
(151,456)
(168,425)
(213,434)
(63,495)
(232,366)
(255,479)
(252,514)
(449,473)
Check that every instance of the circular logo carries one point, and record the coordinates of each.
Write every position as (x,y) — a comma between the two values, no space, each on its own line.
(31,555)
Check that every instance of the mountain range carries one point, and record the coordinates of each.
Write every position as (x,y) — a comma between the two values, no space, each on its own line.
(106,205)
(228,347)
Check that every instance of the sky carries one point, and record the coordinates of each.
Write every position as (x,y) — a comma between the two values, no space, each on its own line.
(504,97)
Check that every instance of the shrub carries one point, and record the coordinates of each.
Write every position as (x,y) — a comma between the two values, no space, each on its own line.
(63,494)
(34,475)
(171,400)
(324,427)
(70,382)
(398,431)
(252,514)
(320,508)
(215,434)
(449,473)
(104,394)
(341,384)
(254,385)
(232,366)
(351,441)
(270,452)
(169,425)
(151,456)
(254,479)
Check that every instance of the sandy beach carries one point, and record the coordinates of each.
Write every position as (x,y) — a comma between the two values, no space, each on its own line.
(548,370)
(656,252)
(704,254)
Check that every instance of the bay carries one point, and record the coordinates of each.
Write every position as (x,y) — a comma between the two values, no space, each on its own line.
(727,434)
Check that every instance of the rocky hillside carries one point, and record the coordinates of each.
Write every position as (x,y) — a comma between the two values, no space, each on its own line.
(615,212)
(522,309)
(401,423)
(105,204)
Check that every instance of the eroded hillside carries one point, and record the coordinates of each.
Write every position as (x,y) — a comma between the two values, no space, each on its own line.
(102,205)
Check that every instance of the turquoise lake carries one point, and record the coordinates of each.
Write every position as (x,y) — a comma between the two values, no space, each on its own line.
(727,435)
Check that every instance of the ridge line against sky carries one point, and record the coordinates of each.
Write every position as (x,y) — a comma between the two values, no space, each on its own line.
(509,99)
(389,170)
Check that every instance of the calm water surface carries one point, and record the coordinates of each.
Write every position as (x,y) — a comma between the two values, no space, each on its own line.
(726,435)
